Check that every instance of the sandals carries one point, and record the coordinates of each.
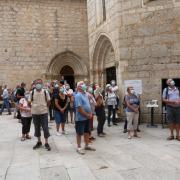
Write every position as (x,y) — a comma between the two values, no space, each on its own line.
(135,135)
(170,138)
(178,138)
(28,137)
(23,139)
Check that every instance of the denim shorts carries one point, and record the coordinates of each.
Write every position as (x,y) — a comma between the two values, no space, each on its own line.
(173,114)
(82,127)
(60,117)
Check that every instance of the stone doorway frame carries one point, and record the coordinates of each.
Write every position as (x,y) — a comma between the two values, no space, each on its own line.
(99,65)
(70,59)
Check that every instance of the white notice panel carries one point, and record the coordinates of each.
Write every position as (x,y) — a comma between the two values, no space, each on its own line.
(137,84)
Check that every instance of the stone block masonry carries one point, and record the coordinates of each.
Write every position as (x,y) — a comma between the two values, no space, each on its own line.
(33,32)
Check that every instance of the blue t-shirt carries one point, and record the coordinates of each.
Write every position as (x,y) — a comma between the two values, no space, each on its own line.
(133,100)
(81,100)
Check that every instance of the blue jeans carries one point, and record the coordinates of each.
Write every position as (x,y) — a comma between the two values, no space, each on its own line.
(5,104)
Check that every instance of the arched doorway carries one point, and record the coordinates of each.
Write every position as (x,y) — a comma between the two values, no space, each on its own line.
(67,64)
(104,68)
(67,73)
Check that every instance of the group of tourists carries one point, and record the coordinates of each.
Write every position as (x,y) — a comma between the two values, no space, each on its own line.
(57,100)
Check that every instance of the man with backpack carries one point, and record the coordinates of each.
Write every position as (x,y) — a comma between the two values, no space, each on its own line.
(40,100)
(171,97)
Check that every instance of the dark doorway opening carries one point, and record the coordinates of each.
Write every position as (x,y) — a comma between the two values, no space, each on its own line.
(110,74)
(68,75)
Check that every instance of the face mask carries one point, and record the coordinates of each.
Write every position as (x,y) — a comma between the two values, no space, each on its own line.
(113,83)
(90,90)
(61,90)
(38,86)
(110,89)
(172,83)
(132,91)
(27,96)
(84,87)
(67,88)
(56,86)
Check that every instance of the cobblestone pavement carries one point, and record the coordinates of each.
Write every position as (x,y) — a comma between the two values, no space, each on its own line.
(151,157)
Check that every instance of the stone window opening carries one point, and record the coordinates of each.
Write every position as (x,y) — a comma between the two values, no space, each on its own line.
(100,11)
(156,2)
(104,9)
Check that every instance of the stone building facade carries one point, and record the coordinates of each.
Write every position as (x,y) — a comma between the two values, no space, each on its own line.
(140,39)
(96,39)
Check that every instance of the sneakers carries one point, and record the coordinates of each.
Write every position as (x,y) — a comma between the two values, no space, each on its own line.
(64,132)
(125,131)
(101,135)
(89,148)
(80,151)
(23,138)
(47,147)
(58,134)
(38,145)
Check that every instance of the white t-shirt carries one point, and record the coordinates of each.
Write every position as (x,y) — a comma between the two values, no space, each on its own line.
(39,103)
(24,103)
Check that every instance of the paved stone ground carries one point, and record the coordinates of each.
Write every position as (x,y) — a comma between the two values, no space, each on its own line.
(117,158)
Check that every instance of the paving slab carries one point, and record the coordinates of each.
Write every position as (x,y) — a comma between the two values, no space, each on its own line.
(54,173)
(116,157)
(81,173)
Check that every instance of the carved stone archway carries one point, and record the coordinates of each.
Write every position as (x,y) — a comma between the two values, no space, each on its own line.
(103,57)
(70,59)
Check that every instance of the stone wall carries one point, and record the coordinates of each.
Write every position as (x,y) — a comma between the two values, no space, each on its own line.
(146,38)
(33,32)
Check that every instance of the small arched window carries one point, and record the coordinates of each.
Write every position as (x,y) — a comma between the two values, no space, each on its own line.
(100,11)
(104,9)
